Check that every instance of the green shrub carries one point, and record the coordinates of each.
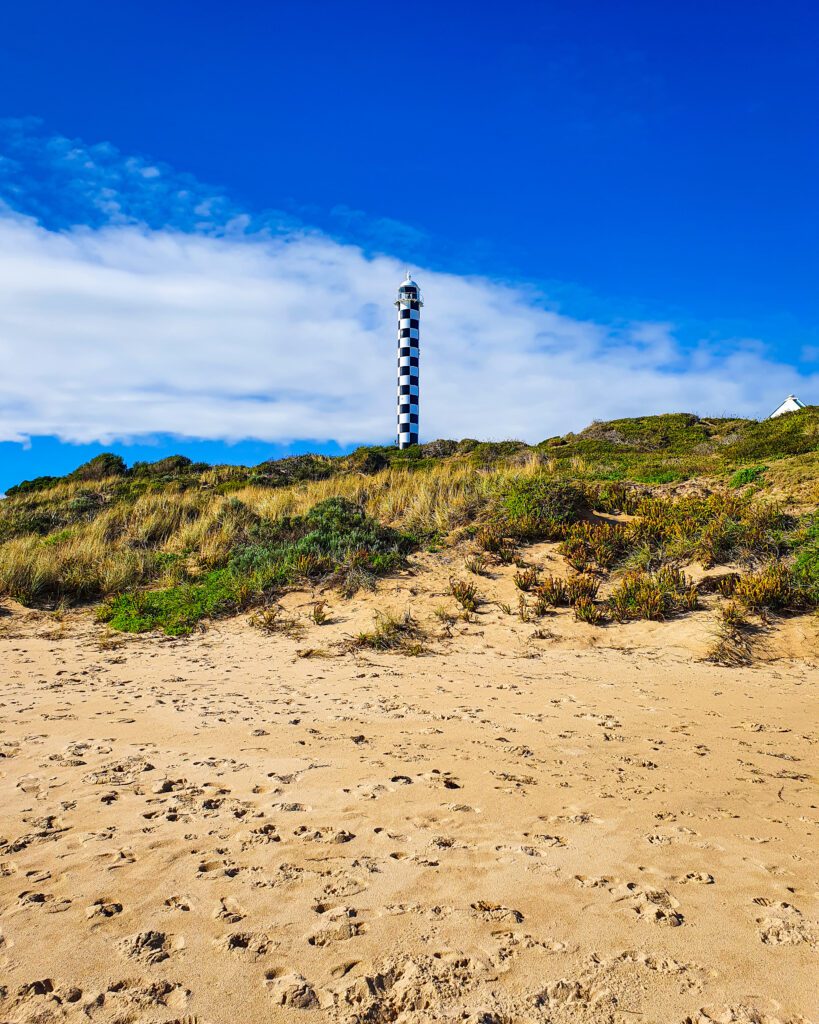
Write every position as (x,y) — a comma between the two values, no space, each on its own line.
(334,538)
(806,564)
(552,591)
(100,468)
(392,632)
(170,466)
(652,595)
(585,610)
(537,507)
(775,587)
(39,483)
(749,475)
(465,593)
(175,610)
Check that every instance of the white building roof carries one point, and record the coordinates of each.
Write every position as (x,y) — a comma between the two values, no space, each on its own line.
(791,404)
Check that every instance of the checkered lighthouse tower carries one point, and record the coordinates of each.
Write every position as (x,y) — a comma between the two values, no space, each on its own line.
(409,304)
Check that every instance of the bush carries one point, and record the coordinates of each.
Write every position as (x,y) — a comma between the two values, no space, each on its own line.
(586,545)
(39,483)
(552,591)
(334,537)
(585,610)
(652,595)
(526,579)
(775,587)
(806,564)
(465,593)
(172,465)
(536,508)
(581,586)
(749,475)
(175,610)
(392,632)
(100,468)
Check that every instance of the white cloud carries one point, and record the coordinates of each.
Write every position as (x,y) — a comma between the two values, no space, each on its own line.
(123,331)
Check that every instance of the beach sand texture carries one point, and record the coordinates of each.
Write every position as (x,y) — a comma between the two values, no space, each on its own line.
(593,826)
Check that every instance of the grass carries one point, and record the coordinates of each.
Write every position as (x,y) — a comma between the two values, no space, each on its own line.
(465,593)
(749,475)
(775,587)
(274,619)
(167,544)
(731,643)
(334,540)
(652,595)
(585,610)
(526,579)
(477,565)
(553,592)
(318,613)
(391,632)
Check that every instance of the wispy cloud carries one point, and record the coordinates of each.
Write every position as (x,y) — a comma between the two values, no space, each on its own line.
(147,303)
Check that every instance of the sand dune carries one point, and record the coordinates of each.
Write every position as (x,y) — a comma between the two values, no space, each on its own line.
(590,825)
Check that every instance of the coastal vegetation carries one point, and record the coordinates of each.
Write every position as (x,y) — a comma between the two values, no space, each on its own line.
(629,503)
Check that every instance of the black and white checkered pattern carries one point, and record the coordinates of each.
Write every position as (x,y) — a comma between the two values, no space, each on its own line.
(409,304)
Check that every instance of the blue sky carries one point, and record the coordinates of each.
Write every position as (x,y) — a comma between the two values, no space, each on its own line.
(613,207)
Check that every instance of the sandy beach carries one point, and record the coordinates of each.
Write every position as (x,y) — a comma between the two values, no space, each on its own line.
(584,825)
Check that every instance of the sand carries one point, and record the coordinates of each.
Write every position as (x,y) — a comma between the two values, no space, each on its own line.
(593,825)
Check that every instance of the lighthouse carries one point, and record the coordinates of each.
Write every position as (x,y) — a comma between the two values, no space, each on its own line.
(409,304)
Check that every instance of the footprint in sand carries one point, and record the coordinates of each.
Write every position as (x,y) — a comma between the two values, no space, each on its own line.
(495,912)
(44,900)
(178,903)
(104,907)
(253,945)
(151,947)
(230,909)
(785,926)
(341,926)
(291,990)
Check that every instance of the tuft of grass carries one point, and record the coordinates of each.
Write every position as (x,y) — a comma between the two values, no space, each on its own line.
(526,579)
(581,587)
(552,592)
(318,613)
(748,475)
(586,545)
(311,652)
(476,564)
(652,595)
(392,632)
(465,593)
(274,619)
(585,610)
(775,587)
(731,644)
